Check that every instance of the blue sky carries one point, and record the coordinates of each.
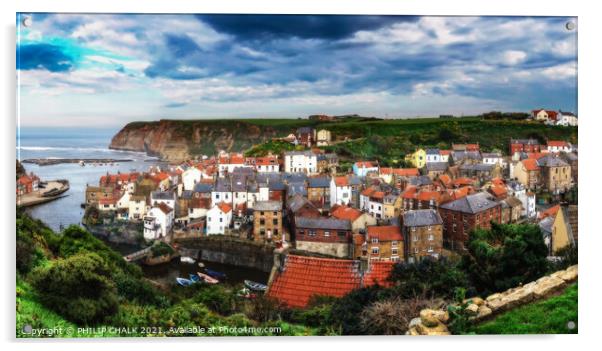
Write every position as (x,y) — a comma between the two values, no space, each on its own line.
(97,69)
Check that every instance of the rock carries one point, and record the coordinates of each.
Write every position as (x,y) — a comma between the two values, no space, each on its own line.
(413,322)
(413,332)
(443,316)
(439,329)
(476,300)
(496,304)
(547,286)
(568,275)
(483,312)
(495,296)
(519,296)
(429,317)
(472,309)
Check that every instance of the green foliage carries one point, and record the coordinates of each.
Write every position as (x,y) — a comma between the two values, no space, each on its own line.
(550,316)
(160,248)
(439,278)
(79,288)
(275,147)
(505,256)
(217,298)
(459,322)
(569,256)
(345,314)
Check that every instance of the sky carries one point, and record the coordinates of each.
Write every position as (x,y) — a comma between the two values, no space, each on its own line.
(110,69)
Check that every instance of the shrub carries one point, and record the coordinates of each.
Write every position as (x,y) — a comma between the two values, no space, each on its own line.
(79,288)
(391,316)
(216,298)
(346,311)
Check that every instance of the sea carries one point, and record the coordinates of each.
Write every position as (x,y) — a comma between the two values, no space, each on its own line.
(73,143)
(94,143)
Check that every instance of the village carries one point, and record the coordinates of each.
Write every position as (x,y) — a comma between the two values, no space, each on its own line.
(299,201)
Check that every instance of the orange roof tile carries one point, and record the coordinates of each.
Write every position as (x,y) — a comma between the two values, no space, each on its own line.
(341,181)
(224,207)
(550,212)
(346,212)
(367,164)
(463,181)
(385,232)
(498,191)
(530,164)
(379,273)
(303,277)
(558,143)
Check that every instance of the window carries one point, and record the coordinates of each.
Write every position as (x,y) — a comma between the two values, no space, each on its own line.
(430,249)
(375,250)
(394,243)
(275,221)
(415,250)
(312,232)
(431,237)
(261,213)
(262,221)
(394,252)
(415,237)
(326,233)
(430,228)
(375,240)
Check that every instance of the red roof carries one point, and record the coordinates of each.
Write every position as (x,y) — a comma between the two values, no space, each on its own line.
(164,208)
(385,233)
(463,181)
(346,212)
(445,179)
(498,181)
(107,201)
(550,212)
(224,207)
(378,273)
(428,196)
(341,181)
(558,143)
(444,152)
(266,161)
(368,191)
(410,192)
(407,172)
(367,164)
(530,164)
(498,190)
(303,277)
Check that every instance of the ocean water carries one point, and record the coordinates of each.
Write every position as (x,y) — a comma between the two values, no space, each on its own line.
(72,143)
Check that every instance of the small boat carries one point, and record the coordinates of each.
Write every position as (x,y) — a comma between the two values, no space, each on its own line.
(208,279)
(186,259)
(194,278)
(184,281)
(255,285)
(201,265)
(215,274)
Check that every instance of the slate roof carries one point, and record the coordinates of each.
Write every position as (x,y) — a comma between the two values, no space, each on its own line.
(268,206)
(203,188)
(301,277)
(421,218)
(437,166)
(162,195)
(474,203)
(432,151)
(479,167)
(466,155)
(551,161)
(296,202)
(297,188)
(420,181)
(222,185)
(322,223)
(319,182)
(186,195)
(546,225)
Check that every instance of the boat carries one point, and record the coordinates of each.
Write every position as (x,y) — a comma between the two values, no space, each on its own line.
(215,274)
(184,281)
(255,285)
(201,265)
(194,278)
(186,259)
(207,279)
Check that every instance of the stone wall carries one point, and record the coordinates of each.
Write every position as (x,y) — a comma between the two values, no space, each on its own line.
(434,322)
(233,251)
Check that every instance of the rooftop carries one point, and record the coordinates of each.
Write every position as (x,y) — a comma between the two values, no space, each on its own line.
(474,203)
(420,218)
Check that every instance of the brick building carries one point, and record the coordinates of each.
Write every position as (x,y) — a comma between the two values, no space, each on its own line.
(423,234)
(327,236)
(385,243)
(267,222)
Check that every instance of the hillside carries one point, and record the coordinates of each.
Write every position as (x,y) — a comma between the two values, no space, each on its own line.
(358,137)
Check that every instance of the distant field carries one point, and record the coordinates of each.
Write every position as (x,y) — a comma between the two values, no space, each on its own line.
(550,316)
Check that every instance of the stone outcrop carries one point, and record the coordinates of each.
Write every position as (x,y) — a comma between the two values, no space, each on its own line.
(433,322)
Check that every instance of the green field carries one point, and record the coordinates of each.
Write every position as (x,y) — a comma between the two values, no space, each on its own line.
(549,316)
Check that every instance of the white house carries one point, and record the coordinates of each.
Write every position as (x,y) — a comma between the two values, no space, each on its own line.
(124,200)
(219,218)
(137,207)
(559,146)
(267,164)
(158,221)
(567,119)
(362,168)
(166,197)
(190,177)
(227,163)
(222,192)
(340,190)
(493,158)
(433,155)
(300,161)
(527,198)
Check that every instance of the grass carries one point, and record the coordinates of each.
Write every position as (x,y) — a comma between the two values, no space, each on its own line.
(549,316)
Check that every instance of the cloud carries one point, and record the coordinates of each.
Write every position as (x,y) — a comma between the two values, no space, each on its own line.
(512,57)
(43,56)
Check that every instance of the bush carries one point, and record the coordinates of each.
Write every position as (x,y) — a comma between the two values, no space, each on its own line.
(216,298)
(79,288)
(391,316)
(346,312)
(438,278)
(505,256)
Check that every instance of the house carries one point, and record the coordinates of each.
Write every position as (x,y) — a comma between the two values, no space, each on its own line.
(417,158)
(198,207)
(267,164)
(423,234)
(542,115)
(190,177)
(398,177)
(267,222)
(158,221)
(166,197)
(362,168)
(301,161)
(462,216)
(494,158)
(305,136)
(107,204)
(480,171)
(226,163)
(567,119)
(124,200)
(573,160)
(323,137)
(465,157)
(95,193)
(340,190)
(433,155)
(359,220)
(219,218)
(444,155)
(391,206)
(466,147)
(385,243)
(555,174)
(27,183)
(327,163)
(527,172)
(557,230)
(222,191)
(436,169)
(137,207)
(524,145)
(527,198)
(372,201)
(318,191)
(327,236)
(559,146)
(514,208)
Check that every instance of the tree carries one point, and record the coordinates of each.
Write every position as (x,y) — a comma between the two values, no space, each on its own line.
(79,288)
(505,256)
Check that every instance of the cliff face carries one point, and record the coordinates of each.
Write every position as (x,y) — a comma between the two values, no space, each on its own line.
(179,140)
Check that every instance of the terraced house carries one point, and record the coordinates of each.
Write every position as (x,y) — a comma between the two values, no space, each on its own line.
(423,234)
(267,222)
(385,243)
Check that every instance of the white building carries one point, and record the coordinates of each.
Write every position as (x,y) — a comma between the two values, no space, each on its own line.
(124,200)
(433,155)
(494,158)
(362,168)
(300,161)
(567,119)
(219,218)
(158,221)
(267,164)
(340,191)
(559,146)
(137,207)
(190,177)
(166,197)
(527,198)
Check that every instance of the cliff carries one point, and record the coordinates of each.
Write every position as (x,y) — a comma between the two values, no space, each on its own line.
(177,140)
